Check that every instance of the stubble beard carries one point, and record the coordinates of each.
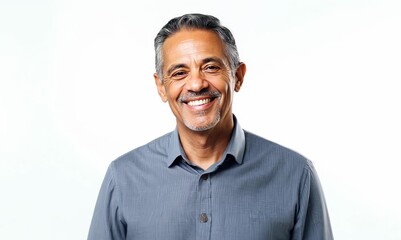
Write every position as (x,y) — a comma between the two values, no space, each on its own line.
(203,126)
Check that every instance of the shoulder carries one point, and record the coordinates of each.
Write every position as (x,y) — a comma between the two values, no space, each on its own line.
(273,153)
(147,154)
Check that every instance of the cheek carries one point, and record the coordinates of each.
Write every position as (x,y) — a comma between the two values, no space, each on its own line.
(224,82)
(167,82)
(229,78)
(173,88)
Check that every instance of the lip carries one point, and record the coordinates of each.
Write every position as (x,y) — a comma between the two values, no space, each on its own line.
(199,103)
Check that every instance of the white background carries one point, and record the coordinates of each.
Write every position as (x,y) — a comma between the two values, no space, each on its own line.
(76,92)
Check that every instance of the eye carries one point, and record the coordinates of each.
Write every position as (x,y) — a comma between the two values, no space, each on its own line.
(211,68)
(179,74)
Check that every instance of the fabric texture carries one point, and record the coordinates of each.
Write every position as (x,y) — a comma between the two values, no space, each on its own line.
(258,190)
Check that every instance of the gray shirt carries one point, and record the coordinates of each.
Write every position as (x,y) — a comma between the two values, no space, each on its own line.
(258,190)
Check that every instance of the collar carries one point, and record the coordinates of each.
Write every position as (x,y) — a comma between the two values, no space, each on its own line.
(235,147)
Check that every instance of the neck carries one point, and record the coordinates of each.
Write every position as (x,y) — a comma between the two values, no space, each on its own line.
(206,147)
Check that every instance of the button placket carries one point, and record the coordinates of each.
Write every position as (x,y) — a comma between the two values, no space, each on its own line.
(203,218)
(205,177)
(204,214)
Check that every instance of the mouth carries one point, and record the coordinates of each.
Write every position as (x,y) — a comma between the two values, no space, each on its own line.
(199,102)
(196,100)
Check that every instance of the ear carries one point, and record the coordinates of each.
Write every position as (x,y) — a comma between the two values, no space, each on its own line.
(239,75)
(160,88)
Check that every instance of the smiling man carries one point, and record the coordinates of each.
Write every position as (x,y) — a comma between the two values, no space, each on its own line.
(209,178)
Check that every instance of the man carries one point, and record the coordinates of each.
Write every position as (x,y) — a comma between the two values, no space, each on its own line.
(209,178)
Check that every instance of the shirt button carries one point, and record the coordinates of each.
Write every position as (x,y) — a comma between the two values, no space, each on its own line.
(203,218)
(205,176)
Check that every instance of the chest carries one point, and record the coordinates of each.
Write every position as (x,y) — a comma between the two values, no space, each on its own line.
(215,207)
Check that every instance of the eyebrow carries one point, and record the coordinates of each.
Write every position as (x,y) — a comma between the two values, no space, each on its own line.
(204,61)
(213,59)
(174,67)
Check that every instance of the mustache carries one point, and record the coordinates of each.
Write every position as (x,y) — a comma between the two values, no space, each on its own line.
(203,93)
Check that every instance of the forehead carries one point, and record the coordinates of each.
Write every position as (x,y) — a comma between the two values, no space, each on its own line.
(197,43)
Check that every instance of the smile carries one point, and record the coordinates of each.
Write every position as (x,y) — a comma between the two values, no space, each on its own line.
(199,102)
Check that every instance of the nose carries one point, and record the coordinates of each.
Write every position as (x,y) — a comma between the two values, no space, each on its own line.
(196,82)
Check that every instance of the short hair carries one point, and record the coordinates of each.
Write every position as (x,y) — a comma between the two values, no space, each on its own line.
(196,21)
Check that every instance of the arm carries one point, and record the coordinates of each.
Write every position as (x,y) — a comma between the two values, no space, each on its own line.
(107,221)
(312,222)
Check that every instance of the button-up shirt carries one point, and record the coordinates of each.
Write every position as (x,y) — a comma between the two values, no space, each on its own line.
(258,190)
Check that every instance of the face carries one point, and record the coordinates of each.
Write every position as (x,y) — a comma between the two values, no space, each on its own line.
(197,82)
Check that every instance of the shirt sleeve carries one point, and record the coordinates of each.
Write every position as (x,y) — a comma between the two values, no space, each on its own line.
(312,222)
(107,221)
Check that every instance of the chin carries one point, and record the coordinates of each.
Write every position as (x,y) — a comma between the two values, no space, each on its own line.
(202,126)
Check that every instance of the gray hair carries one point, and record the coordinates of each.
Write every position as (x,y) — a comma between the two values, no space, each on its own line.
(196,21)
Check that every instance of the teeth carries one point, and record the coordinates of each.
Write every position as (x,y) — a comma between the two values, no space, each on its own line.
(199,102)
